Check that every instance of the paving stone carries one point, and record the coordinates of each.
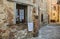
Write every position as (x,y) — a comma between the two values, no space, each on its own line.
(46,32)
(49,32)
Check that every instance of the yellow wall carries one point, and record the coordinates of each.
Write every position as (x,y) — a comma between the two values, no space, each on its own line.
(51,11)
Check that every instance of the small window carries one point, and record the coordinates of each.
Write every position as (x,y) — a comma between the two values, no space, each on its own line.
(41,17)
(53,14)
(54,7)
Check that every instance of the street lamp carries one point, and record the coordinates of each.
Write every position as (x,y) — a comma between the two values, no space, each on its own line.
(58,9)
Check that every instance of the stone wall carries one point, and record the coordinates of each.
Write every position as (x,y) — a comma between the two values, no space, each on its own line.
(6,12)
(43,10)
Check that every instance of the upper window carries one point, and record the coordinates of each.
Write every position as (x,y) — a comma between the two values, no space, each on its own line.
(54,7)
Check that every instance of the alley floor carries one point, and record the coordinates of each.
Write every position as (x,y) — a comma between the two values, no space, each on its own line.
(49,32)
(45,32)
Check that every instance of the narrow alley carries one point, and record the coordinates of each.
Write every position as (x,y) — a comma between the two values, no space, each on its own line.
(29,19)
(49,32)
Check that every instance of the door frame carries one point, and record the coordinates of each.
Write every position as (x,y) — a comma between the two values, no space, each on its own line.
(14,20)
(24,7)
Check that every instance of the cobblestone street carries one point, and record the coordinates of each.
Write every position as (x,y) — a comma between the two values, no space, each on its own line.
(49,32)
(29,19)
(45,32)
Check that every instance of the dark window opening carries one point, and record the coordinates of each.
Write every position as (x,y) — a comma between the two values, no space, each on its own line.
(53,14)
(41,17)
(53,21)
(54,7)
(21,13)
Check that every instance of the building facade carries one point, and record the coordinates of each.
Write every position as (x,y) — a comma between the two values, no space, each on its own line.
(53,11)
(9,9)
(21,12)
(43,12)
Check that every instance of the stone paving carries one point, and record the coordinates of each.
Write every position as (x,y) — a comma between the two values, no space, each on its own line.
(45,32)
(49,32)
